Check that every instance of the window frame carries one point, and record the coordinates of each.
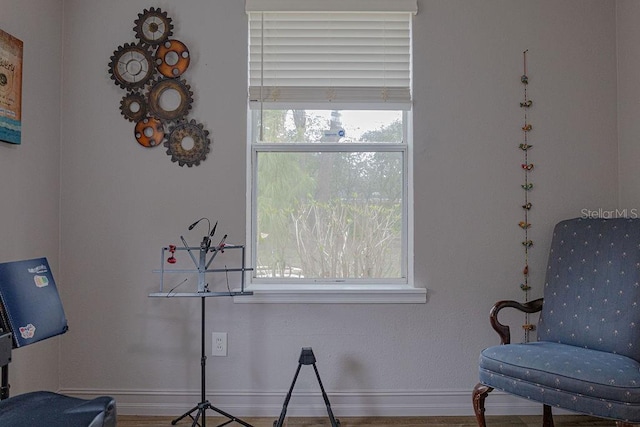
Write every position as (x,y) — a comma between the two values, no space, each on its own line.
(402,290)
(334,291)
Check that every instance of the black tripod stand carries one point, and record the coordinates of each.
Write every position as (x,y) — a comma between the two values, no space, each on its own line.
(201,408)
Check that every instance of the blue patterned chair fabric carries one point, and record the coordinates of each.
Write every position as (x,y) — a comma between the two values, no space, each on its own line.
(587,357)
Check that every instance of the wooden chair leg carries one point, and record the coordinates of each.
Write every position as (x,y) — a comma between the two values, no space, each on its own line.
(547,416)
(480,392)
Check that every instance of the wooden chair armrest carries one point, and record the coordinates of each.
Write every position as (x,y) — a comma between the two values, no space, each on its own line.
(503,330)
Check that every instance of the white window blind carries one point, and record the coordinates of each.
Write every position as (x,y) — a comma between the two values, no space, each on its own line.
(313,57)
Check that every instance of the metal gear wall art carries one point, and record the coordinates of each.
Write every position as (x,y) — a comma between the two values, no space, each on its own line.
(158,98)
(133,107)
(188,143)
(131,66)
(153,26)
(167,111)
(172,58)
(149,132)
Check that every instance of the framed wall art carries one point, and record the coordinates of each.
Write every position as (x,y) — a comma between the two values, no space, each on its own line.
(10,88)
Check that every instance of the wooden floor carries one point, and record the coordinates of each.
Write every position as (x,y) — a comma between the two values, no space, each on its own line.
(506,421)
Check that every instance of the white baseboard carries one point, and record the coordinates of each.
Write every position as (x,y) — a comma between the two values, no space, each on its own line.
(355,403)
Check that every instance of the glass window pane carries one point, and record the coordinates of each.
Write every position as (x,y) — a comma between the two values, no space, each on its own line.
(329,215)
(317,126)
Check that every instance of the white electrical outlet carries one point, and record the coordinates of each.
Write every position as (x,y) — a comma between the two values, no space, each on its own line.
(219,344)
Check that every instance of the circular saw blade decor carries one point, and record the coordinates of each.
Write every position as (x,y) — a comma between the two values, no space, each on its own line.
(158,98)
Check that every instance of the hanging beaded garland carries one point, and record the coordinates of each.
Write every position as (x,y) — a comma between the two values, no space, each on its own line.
(527,167)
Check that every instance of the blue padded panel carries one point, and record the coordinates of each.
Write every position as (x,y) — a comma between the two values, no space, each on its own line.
(29,302)
(592,287)
(46,409)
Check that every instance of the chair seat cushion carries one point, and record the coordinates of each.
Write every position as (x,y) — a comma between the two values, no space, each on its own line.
(582,380)
(561,367)
(46,409)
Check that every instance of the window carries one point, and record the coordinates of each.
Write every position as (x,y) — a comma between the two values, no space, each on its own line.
(329,151)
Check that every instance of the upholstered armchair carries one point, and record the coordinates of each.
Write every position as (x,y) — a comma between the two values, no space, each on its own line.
(587,355)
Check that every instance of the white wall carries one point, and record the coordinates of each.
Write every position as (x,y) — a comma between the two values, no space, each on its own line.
(628,13)
(120,203)
(29,194)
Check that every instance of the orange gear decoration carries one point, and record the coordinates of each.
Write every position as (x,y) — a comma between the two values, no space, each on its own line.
(172,58)
(149,132)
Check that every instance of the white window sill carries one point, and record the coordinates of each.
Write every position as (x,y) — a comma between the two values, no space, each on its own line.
(332,294)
